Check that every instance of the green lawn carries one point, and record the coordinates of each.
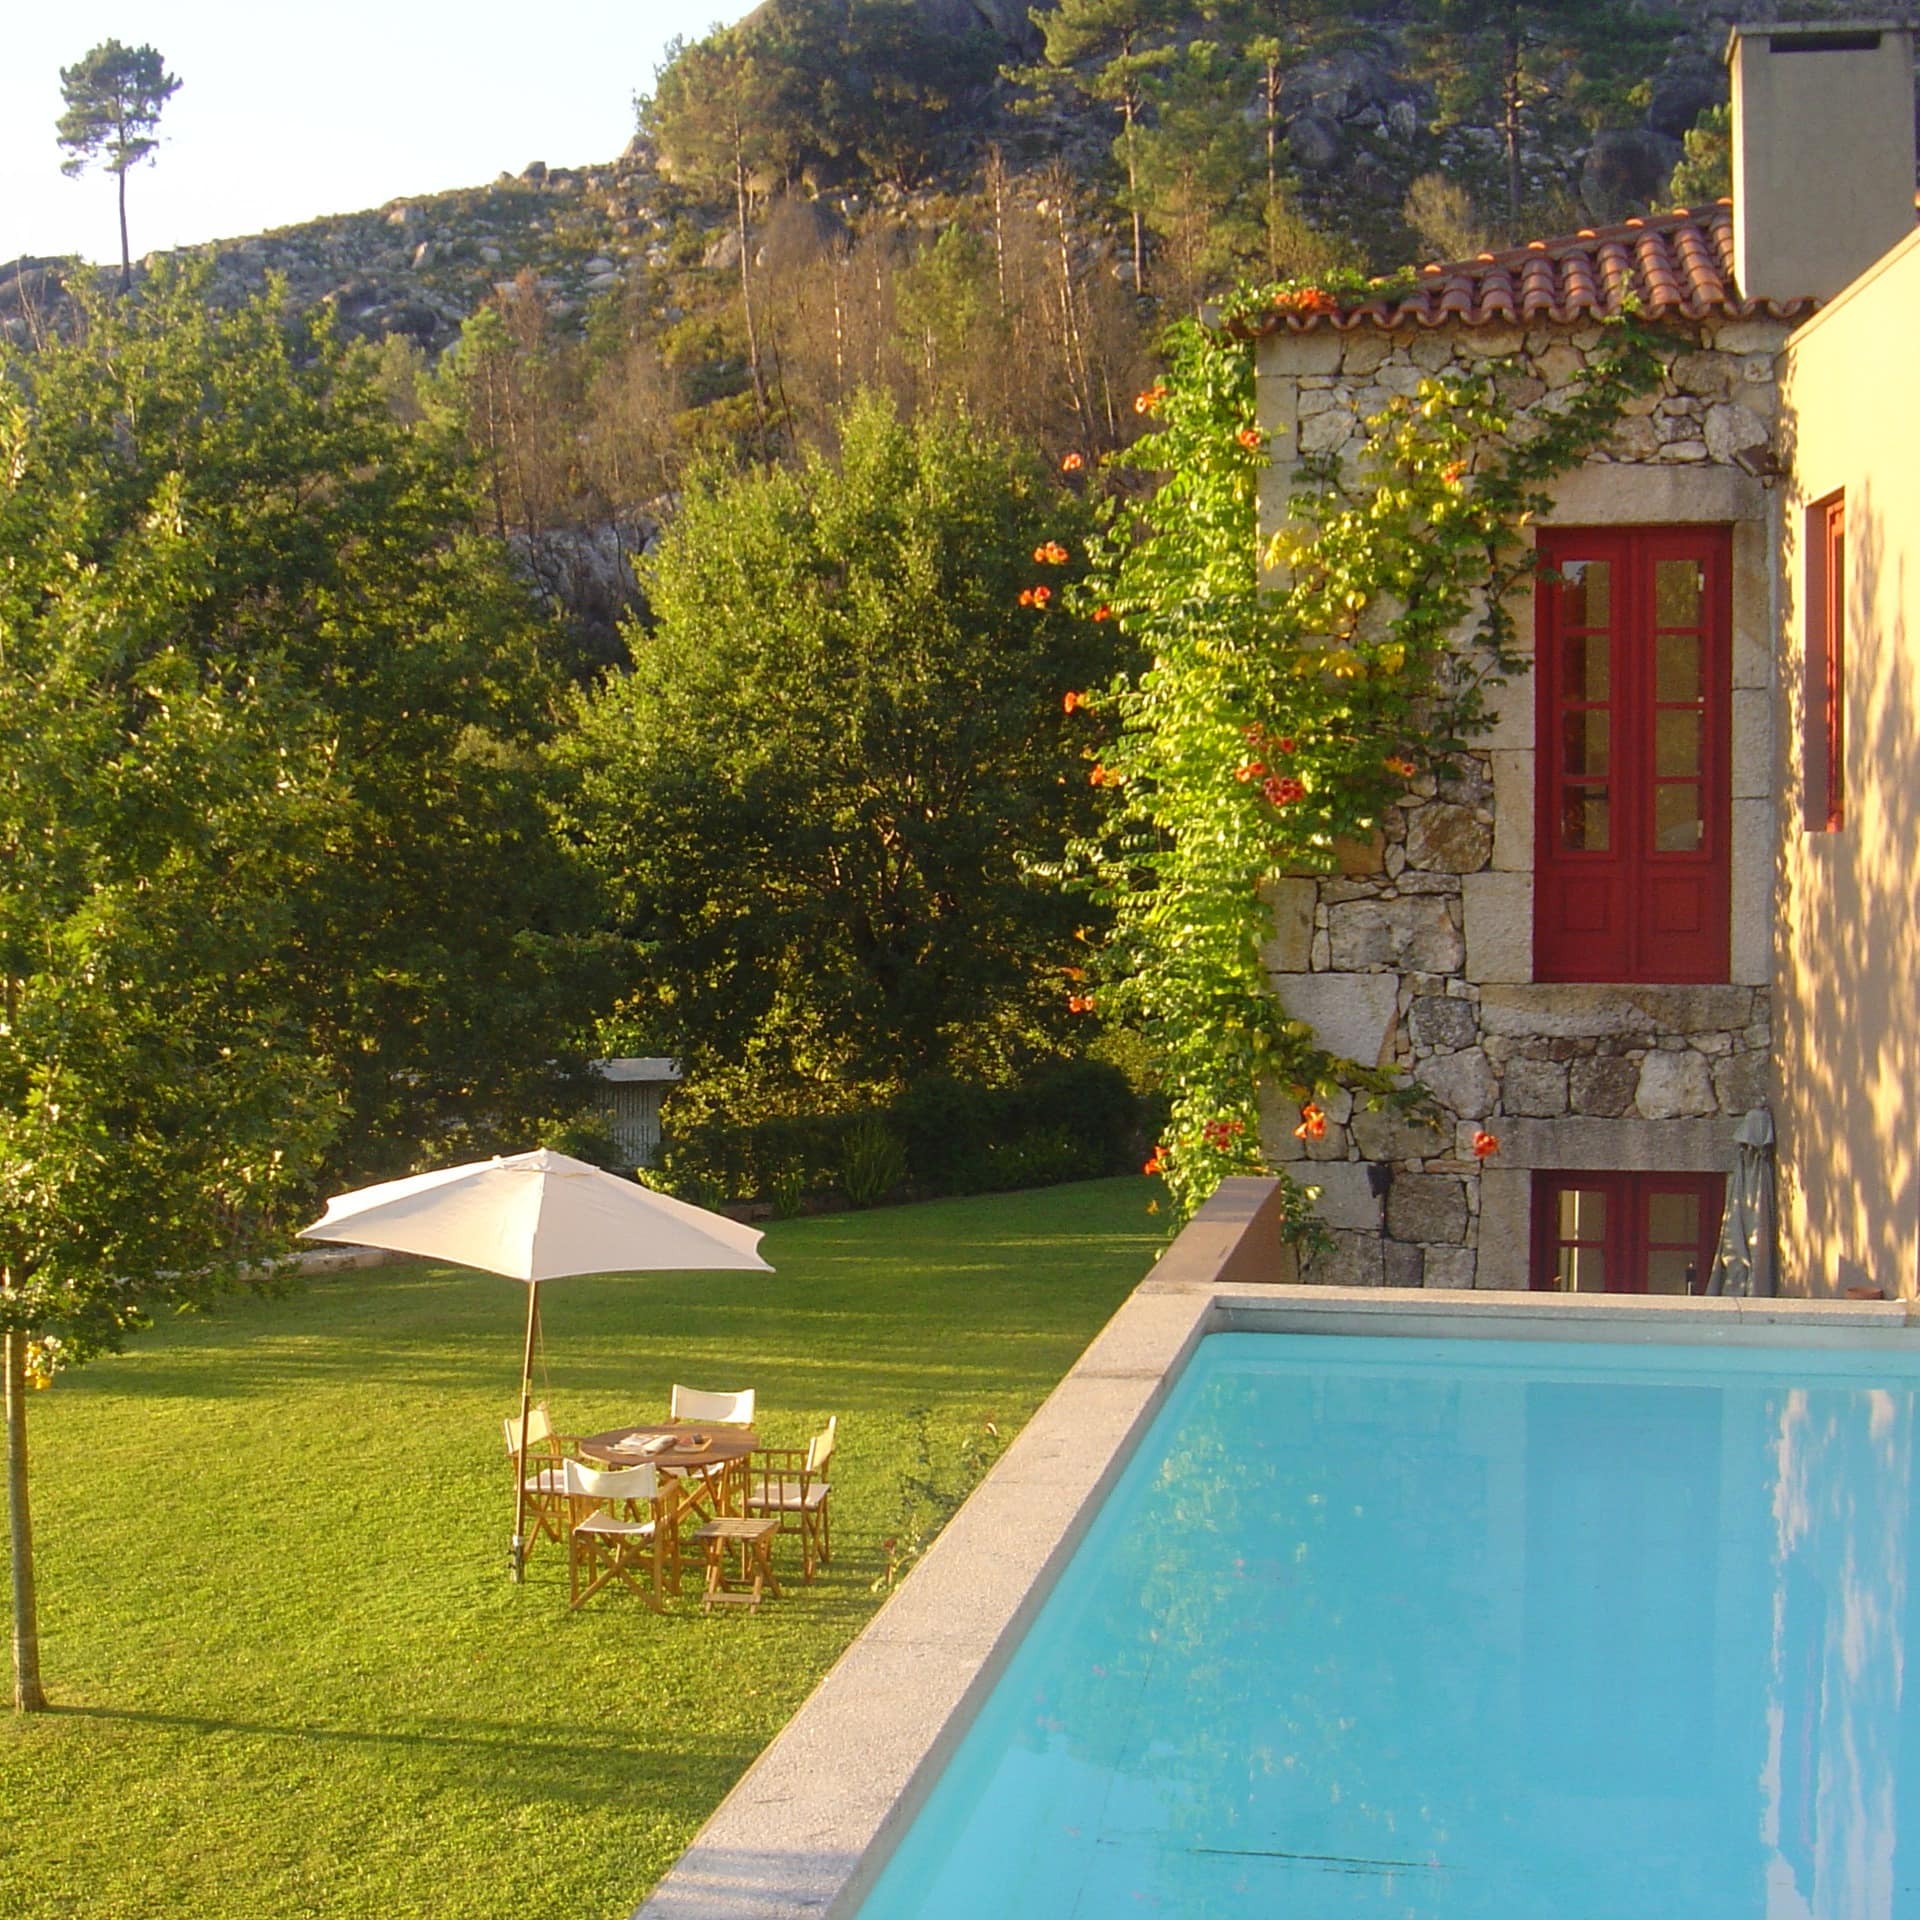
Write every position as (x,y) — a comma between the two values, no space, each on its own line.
(290,1675)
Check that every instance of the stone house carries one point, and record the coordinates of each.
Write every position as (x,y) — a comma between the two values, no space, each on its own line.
(1615,933)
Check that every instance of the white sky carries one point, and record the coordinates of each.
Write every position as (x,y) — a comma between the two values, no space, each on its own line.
(286,112)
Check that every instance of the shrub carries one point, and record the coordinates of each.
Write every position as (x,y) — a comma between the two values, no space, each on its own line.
(1075,1121)
(873,1162)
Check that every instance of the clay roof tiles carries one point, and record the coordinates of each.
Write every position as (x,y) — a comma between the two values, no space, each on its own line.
(1674,264)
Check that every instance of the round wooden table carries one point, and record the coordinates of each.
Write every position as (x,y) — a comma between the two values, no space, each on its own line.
(691,1448)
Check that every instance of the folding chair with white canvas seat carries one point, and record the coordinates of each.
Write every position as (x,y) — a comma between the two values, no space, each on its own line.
(546,1494)
(623,1528)
(711,1409)
(789,1484)
(695,1406)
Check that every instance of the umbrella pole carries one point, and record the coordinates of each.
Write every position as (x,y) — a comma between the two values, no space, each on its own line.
(519,1559)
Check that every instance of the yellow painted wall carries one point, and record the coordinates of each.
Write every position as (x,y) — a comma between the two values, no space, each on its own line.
(1847,930)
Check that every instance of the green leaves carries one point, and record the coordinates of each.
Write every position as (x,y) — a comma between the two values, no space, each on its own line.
(276,876)
(825,793)
(114,96)
(1280,716)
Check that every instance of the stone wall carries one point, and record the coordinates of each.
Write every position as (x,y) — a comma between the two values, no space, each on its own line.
(1417,955)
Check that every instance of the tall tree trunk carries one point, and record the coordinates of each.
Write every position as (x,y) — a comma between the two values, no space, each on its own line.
(1133,200)
(1271,92)
(746,288)
(997,200)
(1510,126)
(126,257)
(842,272)
(28,1694)
(1072,348)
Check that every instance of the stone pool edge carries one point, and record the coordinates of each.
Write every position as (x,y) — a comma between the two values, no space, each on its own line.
(806,1830)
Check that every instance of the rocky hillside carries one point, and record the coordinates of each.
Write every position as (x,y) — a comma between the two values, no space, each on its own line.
(1360,122)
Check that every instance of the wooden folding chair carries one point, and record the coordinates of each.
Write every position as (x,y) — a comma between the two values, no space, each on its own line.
(789,1484)
(623,1528)
(711,1409)
(547,1512)
(704,1486)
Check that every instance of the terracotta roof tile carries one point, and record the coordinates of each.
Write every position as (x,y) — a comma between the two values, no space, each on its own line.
(1675,264)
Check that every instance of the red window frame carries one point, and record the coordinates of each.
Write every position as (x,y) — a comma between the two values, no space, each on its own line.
(1824,753)
(1631,751)
(1628,1237)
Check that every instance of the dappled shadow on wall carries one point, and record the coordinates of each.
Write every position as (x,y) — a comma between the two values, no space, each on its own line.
(1847,934)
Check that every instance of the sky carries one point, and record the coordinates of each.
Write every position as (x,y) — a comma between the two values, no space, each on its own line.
(287,112)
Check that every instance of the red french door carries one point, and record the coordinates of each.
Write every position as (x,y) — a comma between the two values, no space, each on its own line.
(1634,674)
(1625,1232)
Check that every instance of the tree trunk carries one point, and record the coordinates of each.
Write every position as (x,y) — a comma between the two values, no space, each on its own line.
(1072,348)
(746,292)
(1510,128)
(28,1694)
(1271,91)
(997,200)
(1133,203)
(126,258)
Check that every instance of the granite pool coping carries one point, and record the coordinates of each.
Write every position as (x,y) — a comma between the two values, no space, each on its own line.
(808,1827)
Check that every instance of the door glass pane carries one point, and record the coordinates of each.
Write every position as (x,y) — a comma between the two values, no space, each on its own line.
(1586,593)
(1585,660)
(1676,743)
(1583,819)
(1580,1214)
(1677,823)
(1679,590)
(1584,742)
(1672,1270)
(1676,666)
(1581,1270)
(1673,1220)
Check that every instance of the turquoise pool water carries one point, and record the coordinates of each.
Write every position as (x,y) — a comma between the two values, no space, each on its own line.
(1466,1630)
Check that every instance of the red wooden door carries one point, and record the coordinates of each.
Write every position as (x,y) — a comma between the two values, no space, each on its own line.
(1625,1232)
(1633,825)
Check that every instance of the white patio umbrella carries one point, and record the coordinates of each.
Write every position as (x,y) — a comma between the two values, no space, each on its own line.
(534,1217)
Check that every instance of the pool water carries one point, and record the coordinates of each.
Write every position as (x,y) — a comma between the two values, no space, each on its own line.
(1465,1630)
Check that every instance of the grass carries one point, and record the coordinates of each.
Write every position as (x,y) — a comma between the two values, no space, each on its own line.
(290,1675)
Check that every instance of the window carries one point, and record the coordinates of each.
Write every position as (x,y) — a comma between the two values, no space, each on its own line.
(1634,636)
(1824,754)
(1625,1232)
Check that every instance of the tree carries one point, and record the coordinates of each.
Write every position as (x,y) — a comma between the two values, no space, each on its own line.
(1273,37)
(713,113)
(1705,171)
(1515,63)
(114,97)
(1440,212)
(826,792)
(1194,171)
(279,898)
(1110,50)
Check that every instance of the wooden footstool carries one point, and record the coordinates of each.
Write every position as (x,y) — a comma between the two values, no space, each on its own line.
(755,1541)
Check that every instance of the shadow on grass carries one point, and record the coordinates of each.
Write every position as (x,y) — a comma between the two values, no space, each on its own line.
(582,1767)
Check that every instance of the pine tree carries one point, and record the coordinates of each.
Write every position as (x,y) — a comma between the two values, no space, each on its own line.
(114,97)
(1273,37)
(1514,64)
(1109,50)
(713,115)
(1705,171)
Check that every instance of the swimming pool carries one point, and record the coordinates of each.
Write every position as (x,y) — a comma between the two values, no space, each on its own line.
(1464,1630)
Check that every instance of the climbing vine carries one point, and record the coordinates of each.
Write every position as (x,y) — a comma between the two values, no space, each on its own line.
(1291,697)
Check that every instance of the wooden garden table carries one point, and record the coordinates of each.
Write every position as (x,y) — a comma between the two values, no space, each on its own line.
(690,1446)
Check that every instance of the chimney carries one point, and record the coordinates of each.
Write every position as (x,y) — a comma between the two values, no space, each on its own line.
(1822,152)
